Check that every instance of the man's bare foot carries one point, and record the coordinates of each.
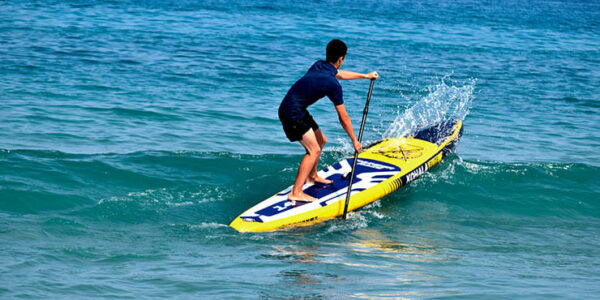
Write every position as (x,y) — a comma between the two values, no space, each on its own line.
(301,197)
(317,179)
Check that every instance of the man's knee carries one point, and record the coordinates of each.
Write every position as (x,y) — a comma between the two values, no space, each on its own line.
(316,150)
(323,142)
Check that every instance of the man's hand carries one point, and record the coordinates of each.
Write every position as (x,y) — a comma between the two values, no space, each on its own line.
(372,75)
(357,146)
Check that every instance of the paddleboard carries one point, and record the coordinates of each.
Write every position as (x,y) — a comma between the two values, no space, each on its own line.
(381,169)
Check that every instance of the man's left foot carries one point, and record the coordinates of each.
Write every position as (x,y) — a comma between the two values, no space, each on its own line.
(320,180)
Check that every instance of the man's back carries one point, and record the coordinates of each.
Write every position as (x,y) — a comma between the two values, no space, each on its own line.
(318,82)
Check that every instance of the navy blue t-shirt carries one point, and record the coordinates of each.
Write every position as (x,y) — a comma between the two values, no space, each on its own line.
(318,82)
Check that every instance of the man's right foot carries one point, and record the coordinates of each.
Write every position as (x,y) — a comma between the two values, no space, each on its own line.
(317,179)
(301,197)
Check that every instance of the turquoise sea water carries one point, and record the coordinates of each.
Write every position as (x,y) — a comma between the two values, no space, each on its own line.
(133,132)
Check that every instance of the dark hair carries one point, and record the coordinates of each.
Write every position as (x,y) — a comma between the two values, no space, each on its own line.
(335,50)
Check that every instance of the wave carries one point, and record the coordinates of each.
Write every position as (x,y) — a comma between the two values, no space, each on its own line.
(186,187)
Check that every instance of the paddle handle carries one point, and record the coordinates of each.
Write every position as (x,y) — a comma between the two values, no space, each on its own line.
(360,133)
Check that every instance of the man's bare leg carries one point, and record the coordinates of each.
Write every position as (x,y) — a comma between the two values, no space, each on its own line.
(313,151)
(313,177)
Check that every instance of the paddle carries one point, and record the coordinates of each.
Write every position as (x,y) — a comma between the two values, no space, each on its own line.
(360,133)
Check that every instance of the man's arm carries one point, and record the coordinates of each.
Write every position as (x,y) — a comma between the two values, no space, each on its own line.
(347,125)
(349,75)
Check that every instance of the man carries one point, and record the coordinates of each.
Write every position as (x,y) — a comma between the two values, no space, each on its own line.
(319,81)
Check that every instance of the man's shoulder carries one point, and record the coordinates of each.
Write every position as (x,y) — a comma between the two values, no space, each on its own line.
(321,66)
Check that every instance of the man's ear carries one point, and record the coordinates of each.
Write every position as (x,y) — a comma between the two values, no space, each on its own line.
(340,60)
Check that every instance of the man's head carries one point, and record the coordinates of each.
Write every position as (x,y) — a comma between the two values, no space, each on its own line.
(336,52)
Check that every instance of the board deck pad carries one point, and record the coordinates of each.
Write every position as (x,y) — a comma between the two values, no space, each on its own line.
(368,173)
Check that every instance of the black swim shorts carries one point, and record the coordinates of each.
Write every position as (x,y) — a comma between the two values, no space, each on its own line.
(295,129)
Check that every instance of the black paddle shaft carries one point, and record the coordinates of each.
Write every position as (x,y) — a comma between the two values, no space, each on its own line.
(360,133)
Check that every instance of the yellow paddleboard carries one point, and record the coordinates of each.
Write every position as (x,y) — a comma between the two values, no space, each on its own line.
(381,169)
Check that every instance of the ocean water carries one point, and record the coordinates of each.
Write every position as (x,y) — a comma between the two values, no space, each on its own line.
(132,133)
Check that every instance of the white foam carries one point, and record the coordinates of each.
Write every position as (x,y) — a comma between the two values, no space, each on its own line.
(354,220)
(172,197)
(210,225)
(178,204)
(446,100)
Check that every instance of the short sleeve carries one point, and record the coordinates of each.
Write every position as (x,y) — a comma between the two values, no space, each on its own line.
(335,94)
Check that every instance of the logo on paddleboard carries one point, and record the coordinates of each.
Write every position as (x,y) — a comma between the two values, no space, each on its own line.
(416,173)
(285,205)
(370,164)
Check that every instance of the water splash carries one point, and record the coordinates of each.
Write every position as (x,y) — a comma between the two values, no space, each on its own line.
(449,99)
